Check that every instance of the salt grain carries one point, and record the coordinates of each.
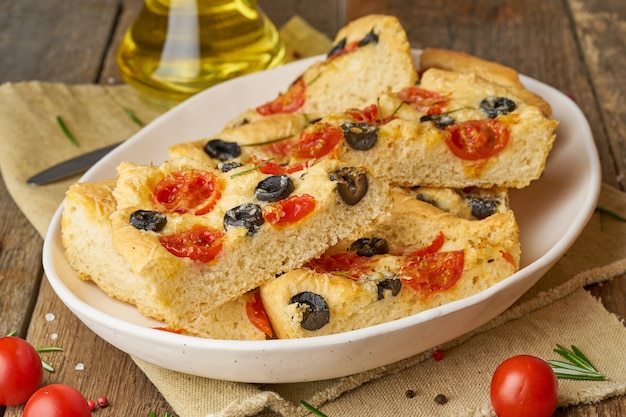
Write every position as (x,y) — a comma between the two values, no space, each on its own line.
(54,336)
(80,367)
(50,317)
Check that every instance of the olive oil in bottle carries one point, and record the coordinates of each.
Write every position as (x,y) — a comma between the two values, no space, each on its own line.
(177,48)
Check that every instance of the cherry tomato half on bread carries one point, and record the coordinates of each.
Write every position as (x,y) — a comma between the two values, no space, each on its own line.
(477,139)
(57,400)
(522,386)
(20,370)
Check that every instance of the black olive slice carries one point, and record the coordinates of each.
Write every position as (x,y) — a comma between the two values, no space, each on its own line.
(222,150)
(360,136)
(317,315)
(352,184)
(494,106)
(247,215)
(227,166)
(392,284)
(482,207)
(439,120)
(274,188)
(369,38)
(337,48)
(148,220)
(369,247)
(426,199)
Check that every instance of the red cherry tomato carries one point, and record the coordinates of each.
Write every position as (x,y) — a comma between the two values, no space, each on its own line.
(317,140)
(288,102)
(348,264)
(370,115)
(524,385)
(192,191)
(20,370)
(57,400)
(434,271)
(255,310)
(199,243)
(289,211)
(477,139)
(423,100)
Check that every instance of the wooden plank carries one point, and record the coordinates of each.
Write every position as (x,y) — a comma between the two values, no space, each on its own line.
(127,14)
(324,15)
(20,266)
(601,28)
(37,35)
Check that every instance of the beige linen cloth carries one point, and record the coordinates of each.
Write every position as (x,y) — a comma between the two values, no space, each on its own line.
(556,310)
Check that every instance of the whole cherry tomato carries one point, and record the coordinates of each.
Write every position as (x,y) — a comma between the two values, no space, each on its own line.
(20,370)
(524,385)
(57,400)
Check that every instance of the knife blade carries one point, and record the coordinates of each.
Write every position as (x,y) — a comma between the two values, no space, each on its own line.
(71,167)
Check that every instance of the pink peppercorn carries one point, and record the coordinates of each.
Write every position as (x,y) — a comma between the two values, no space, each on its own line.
(92,404)
(437,354)
(102,401)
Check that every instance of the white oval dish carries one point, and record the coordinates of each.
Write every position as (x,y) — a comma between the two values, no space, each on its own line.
(551,213)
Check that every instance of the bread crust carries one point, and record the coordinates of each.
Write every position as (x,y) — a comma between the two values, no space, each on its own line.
(497,73)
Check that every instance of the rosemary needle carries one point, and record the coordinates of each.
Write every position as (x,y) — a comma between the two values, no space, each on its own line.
(132,116)
(312,409)
(576,367)
(67,131)
(606,212)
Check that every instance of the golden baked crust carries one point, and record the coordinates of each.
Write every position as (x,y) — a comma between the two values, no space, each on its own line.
(494,72)
(490,249)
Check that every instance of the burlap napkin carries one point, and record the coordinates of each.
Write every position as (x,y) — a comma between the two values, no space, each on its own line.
(556,310)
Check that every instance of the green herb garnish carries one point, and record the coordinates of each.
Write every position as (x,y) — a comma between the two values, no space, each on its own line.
(254,168)
(576,367)
(312,409)
(48,367)
(131,115)
(165,414)
(267,142)
(604,212)
(67,131)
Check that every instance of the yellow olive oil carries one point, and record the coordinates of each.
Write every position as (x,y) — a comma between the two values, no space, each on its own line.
(177,48)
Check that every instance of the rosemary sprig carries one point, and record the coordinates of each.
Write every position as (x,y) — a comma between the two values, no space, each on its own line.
(576,367)
(267,142)
(604,212)
(254,168)
(47,366)
(67,132)
(132,116)
(165,414)
(312,409)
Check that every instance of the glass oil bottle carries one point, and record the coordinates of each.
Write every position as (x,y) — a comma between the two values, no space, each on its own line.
(177,48)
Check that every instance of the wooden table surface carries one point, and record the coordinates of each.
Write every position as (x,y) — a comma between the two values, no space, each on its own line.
(579,47)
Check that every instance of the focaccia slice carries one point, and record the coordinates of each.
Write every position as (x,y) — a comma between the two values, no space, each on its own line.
(454,130)
(87,238)
(201,237)
(370,55)
(423,257)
